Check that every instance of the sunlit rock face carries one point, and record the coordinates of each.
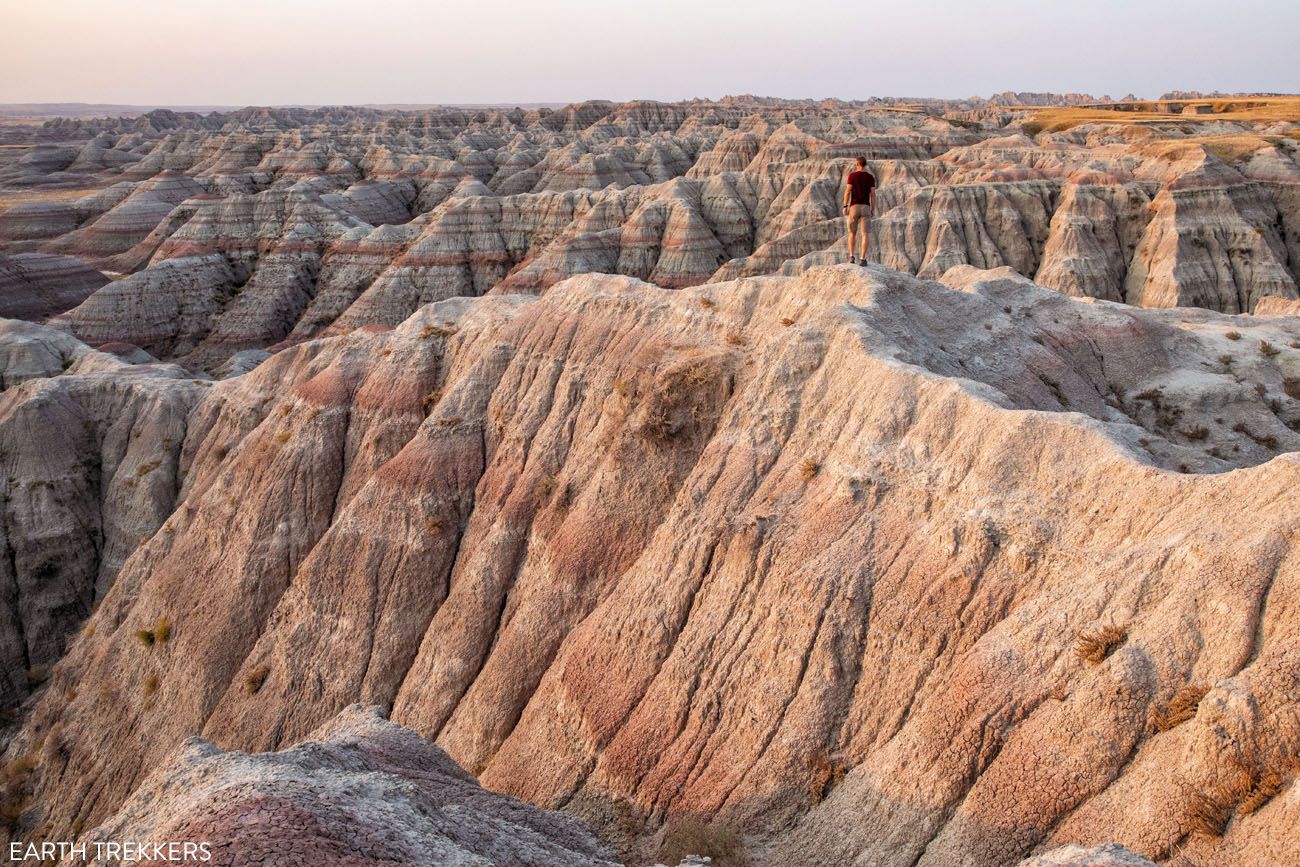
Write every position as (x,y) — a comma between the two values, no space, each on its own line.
(878,569)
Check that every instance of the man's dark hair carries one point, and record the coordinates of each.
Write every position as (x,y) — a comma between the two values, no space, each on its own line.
(862,162)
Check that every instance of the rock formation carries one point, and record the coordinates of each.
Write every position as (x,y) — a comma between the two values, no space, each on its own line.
(880,570)
(366,791)
(343,217)
(37,286)
(1108,855)
(360,791)
(89,467)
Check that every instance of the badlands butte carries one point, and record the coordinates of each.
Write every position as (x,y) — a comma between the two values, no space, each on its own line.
(543,487)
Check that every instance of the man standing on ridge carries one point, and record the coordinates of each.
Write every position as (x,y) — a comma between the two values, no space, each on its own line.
(859,205)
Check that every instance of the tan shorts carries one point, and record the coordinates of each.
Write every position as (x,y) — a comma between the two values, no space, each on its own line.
(859,217)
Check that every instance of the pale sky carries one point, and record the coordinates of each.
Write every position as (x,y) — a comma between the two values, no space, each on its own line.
(266,52)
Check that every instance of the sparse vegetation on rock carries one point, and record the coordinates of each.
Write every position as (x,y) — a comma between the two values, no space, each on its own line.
(256,678)
(1094,645)
(689,835)
(1180,708)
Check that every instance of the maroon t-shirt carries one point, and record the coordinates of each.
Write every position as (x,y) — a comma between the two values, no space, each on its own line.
(861,183)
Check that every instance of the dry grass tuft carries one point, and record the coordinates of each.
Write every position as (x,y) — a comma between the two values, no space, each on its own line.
(825,773)
(1210,810)
(1268,349)
(15,791)
(706,303)
(1268,441)
(1266,786)
(1180,708)
(146,468)
(809,469)
(690,836)
(1207,816)
(256,679)
(698,374)
(545,487)
(1197,433)
(434,525)
(1226,360)
(434,331)
(20,767)
(163,631)
(283,437)
(145,637)
(449,421)
(150,685)
(431,399)
(1233,335)
(1095,645)
(1291,386)
(735,338)
(787,322)
(659,424)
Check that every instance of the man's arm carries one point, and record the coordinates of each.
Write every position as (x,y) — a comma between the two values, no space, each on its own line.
(871,200)
(848,191)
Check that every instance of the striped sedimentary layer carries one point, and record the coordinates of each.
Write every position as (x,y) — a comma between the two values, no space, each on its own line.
(875,569)
(358,216)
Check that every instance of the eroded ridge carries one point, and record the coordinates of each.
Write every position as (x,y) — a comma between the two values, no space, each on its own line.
(265,227)
(829,558)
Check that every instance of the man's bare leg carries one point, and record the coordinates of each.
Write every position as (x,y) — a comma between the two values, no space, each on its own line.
(866,241)
(853,238)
